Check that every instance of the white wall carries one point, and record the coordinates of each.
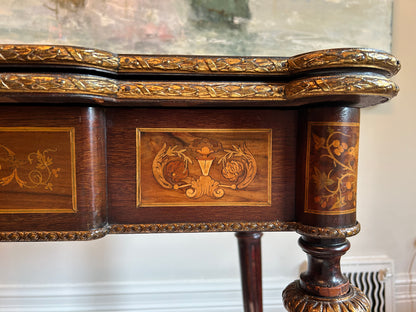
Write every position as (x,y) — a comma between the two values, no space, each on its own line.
(387,212)
(387,208)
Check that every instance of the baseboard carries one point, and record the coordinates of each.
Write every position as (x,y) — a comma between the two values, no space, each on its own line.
(405,292)
(219,295)
(163,296)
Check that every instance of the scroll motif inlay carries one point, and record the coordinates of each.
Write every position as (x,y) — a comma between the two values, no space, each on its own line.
(37,163)
(331,168)
(181,167)
(39,176)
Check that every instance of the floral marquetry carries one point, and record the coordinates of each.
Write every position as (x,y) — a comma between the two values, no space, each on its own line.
(331,168)
(40,175)
(37,163)
(204,167)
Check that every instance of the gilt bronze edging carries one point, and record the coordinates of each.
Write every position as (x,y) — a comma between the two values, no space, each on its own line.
(58,55)
(272,226)
(123,63)
(40,236)
(75,84)
(203,227)
(328,232)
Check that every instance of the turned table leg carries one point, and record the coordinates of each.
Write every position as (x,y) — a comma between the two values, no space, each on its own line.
(326,186)
(323,287)
(249,245)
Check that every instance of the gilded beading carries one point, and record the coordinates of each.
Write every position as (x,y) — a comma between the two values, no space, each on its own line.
(268,226)
(38,236)
(203,227)
(328,232)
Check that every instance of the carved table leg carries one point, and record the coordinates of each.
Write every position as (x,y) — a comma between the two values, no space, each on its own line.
(326,185)
(323,287)
(249,245)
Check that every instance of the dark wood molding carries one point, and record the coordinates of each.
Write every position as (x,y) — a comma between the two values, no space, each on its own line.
(323,286)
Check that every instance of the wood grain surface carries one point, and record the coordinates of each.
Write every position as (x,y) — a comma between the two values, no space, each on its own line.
(89,138)
(321,171)
(121,149)
(37,170)
(210,167)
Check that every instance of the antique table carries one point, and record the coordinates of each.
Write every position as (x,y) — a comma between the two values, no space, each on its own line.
(95,143)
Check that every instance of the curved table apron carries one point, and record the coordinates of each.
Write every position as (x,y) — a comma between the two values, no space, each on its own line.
(94,143)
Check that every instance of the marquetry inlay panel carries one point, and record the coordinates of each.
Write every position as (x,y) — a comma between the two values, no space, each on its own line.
(37,170)
(331,168)
(203,167)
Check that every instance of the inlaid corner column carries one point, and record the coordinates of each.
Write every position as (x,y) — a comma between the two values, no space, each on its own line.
(325,207)
(249,246)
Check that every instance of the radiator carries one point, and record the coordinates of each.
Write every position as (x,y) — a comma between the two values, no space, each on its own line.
(374,276)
